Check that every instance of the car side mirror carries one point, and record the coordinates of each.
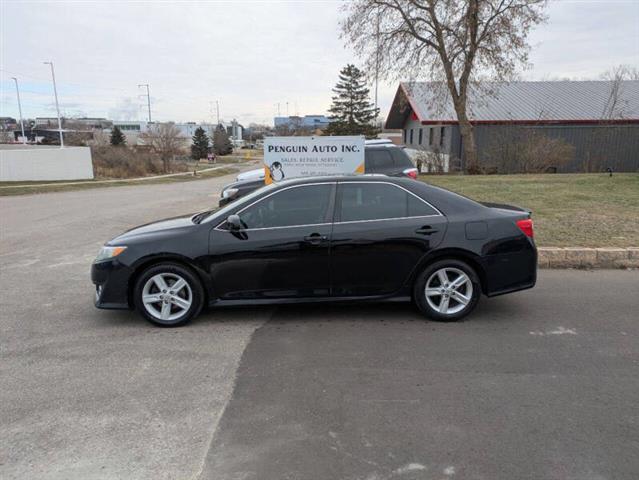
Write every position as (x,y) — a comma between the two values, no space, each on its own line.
(234,222)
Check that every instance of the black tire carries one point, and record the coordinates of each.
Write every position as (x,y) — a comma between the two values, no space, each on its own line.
(194,292)
(419,291)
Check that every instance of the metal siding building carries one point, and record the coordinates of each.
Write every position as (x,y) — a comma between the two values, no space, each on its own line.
(598,119)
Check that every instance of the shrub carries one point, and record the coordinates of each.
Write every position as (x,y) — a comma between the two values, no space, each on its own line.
(522,150)
(124,162)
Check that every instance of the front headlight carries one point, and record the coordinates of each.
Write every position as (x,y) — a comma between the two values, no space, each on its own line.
(229,192)
(107,253)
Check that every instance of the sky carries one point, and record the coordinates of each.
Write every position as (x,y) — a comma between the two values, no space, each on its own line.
(247,56)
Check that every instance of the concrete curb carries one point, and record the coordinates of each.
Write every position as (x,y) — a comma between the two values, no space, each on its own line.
(573,257)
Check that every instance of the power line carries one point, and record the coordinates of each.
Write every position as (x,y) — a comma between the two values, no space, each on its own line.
(67,84)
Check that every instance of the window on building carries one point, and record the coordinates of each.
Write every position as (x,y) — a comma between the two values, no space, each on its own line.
(442,133)
(405,135)
(411,136)
(421,131)
(431,132)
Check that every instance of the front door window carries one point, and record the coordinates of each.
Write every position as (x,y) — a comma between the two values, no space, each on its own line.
(294,206)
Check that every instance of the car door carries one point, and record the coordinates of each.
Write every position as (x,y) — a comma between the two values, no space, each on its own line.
(381,231)
(281,251)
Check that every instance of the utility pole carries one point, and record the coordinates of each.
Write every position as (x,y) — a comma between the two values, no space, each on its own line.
(148,98)
(57,106)
(287,109)
(24,139)
(376,60)
(217,106)
(279,114)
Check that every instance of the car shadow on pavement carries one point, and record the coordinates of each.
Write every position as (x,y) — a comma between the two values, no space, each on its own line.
(488,310)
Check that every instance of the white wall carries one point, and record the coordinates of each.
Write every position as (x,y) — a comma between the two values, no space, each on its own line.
(21,163)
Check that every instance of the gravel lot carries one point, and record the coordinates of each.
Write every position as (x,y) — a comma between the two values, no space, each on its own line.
(542,384)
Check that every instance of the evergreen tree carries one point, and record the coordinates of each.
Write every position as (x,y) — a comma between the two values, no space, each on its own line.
(200,147)
(352,112)
(117,137)
(221,143)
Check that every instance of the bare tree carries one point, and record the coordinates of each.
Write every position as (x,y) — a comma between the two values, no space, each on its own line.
(616,103)
(166,141)
(454,42)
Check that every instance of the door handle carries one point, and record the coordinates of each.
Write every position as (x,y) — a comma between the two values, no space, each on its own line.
(426,230)
(315,238)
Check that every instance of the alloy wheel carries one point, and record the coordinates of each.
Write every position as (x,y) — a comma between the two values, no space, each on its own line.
(167,296)
(449,290)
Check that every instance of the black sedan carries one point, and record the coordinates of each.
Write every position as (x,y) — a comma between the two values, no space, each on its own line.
(347,238)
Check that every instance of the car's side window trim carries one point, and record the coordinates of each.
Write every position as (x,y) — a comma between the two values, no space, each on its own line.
(338,204)
(328,216)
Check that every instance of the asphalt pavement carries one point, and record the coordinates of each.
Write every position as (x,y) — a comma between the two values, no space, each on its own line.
(91,394)
(541,384)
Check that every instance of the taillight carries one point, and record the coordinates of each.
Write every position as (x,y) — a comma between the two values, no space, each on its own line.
(526,226)
(411,172)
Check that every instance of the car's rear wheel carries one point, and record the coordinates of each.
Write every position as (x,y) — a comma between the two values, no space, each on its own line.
(447,290)
(168,295)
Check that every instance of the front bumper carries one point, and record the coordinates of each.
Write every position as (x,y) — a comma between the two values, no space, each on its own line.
(111,279)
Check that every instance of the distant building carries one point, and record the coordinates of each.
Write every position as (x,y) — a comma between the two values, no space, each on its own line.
(88,123)
(307,122)
(48,121)
(84,123)
(598,121)
(8,123)
(134,130)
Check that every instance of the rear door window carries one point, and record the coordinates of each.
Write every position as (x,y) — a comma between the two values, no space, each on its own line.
(378,201)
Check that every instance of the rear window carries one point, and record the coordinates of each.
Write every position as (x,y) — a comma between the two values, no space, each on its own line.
(401,159)
(378,160)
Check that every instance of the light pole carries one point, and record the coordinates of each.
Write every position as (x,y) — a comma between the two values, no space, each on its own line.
(57,107)
(24,139)
(148,98)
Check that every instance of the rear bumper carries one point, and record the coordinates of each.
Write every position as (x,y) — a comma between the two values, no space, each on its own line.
(111,280)
(510,272)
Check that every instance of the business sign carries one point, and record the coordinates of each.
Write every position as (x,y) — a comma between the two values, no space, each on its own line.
(291,157)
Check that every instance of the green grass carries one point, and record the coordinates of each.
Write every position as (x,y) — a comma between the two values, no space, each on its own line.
(27,188)
(584,210)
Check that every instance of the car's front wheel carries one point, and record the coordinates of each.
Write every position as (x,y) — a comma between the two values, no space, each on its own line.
(447,290)
(168,295)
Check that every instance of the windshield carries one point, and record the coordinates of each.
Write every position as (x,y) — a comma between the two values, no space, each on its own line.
(222,213)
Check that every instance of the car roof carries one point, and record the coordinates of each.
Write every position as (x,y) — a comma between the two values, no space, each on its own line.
(366,177)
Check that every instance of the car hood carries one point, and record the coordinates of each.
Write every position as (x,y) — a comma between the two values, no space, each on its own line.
(256,174)
(156,228)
